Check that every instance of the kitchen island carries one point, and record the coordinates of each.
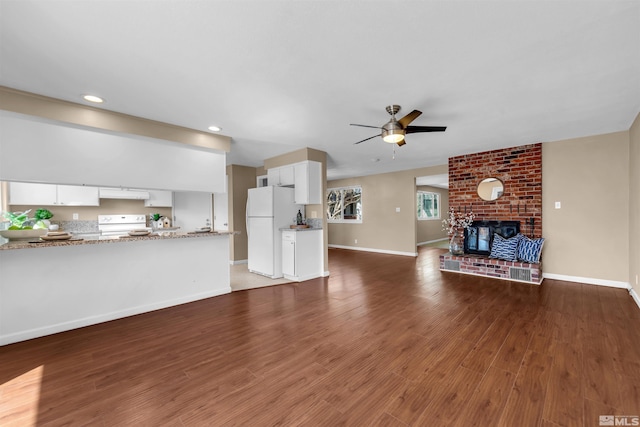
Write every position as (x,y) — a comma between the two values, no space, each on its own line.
(50,287)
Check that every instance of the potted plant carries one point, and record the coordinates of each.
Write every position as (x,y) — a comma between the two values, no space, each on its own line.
(43,215)
(21,227)
(155,221)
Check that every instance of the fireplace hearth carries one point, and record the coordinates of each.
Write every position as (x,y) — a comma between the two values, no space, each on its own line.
(478,237)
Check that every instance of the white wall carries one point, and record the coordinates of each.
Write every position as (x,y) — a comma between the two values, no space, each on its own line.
(84,284)
(40,150)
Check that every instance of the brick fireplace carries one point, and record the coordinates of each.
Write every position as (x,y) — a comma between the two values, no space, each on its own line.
(520,170)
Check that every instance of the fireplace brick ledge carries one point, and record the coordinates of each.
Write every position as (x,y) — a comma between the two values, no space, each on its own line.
(481,265)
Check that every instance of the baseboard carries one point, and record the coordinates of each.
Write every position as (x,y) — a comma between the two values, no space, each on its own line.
(301,278)
(93,320)
(432,241)
(587,280)
(379,251)
(239,261)
(635,297)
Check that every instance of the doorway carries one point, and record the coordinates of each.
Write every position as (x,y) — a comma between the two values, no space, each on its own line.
(432,207)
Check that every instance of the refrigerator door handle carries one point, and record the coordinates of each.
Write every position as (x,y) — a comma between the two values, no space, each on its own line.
(246,217)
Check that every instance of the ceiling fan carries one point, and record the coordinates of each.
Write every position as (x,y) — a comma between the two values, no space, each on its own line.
(394,130)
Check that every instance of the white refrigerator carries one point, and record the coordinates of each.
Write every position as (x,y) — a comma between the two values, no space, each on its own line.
(268,210)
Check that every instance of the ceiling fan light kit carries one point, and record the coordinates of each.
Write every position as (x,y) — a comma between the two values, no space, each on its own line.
(394,130)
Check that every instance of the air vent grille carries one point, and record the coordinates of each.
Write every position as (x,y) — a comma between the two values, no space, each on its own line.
(452,265)
(516,273)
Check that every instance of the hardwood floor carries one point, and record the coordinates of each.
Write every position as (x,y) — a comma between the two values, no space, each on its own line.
(386,341)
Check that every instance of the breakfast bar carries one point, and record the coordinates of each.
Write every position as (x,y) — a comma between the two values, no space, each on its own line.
(50,287)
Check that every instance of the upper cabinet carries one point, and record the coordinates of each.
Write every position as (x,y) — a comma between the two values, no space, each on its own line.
(308,183)
(305,177)
(159,199)
(281,177)
(76,195)
(24,193)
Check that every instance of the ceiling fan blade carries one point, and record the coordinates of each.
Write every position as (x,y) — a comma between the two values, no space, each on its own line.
(401,143)
(409,118)
(374,136)
(417,129)
(366,126)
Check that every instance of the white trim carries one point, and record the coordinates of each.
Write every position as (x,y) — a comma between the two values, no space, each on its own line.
(240,261)
(301,278)
(439,196)
(587,280)
(92,320)
(433,241)
(635,297)
(325,274)
(342,220)
(494,277)
(380,251)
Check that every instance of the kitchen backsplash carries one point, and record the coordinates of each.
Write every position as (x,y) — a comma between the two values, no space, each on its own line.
(314,222)
(77,226)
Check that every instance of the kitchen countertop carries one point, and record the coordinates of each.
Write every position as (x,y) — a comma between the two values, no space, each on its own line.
(93,239)
(300,229)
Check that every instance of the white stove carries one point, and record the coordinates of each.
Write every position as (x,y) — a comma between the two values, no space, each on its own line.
(120,225)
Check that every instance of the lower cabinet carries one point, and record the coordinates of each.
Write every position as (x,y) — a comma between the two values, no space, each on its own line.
(302,254)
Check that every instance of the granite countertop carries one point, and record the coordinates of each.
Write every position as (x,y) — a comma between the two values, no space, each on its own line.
(93,239)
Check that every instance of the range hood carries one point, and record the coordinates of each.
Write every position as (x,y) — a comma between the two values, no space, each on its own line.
(123,193)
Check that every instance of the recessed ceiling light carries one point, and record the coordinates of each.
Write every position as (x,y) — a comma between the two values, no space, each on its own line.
(93,98)
(215,128)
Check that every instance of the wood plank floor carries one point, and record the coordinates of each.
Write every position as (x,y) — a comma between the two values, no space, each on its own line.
(385,341)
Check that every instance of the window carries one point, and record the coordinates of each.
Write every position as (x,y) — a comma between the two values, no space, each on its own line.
(344,204)
(428,205)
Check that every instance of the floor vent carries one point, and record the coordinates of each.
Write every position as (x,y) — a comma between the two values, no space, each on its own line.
(452,265)
(516,273)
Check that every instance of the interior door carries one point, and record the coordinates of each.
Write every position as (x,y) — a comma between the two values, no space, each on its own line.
(191,210)
(221,209)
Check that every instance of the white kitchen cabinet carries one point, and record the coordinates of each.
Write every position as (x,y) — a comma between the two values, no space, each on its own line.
(26,193)
(273,176)
(282,176)
(289,253)
(302,254)
(308,183)
(77,195)
(159,198)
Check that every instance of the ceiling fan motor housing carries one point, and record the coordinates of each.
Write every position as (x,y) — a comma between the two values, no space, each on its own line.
(392,132)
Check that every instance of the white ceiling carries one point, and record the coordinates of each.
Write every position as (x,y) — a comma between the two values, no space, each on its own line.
(282,75)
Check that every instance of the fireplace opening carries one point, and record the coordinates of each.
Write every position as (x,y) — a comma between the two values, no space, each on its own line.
(478,237)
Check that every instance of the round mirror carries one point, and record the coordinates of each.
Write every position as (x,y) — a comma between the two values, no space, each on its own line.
(490,189)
